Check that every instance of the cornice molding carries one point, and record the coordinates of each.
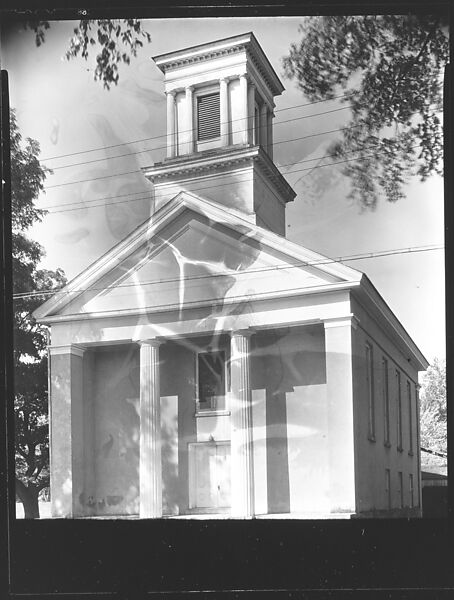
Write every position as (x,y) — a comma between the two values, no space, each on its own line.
(245,43)
(196,165)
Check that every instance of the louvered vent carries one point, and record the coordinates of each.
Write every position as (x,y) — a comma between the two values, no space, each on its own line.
(208,117)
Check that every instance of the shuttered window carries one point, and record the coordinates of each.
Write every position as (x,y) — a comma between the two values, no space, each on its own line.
(208,117)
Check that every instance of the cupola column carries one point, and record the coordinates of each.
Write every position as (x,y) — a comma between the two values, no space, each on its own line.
(264,126)
(170,124)
(269,138)
(244,123)
(224,110)
(250,111)
(189,119)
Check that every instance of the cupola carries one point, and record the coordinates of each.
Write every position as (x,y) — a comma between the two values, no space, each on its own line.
(220,103)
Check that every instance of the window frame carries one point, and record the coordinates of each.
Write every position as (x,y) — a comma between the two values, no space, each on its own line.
(386,406)
(388,487)
(198,94)
(399,411)
(210,410)
(400,481)
(410,419)
(370,391)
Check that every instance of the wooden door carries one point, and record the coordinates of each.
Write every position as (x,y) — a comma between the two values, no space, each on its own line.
(209,476)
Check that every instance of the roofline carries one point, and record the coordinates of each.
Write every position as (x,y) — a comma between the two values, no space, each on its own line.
(181,201)
(380,303)
(247,39)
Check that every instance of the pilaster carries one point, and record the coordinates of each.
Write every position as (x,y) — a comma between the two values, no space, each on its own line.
(66,416)
(339,383)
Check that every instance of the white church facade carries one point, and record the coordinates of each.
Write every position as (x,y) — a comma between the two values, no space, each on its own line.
(208,367)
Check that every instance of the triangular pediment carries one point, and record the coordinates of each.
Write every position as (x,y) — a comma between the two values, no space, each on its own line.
(190,253)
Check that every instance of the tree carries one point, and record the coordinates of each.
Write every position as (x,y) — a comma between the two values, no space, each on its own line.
(433,408)
(30,338)
(119,40)
(389,70)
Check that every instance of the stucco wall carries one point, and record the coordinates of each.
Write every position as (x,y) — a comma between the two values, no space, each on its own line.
(288,367)
(289,388)
(116,431)
(372,458)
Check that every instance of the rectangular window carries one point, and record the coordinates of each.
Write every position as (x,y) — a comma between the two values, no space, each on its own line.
(385,384)
(208,117)
(410,424)
(399,411)
(211,380)
(401,488)
(370,390)
(412,491)
(388,487)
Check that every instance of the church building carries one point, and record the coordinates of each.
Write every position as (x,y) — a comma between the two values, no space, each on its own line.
(206,366)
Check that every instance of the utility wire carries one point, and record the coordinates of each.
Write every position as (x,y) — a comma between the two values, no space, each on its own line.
(441,454)
(198,189)
(323,261)
(236,131)
(165,135)
(149,150)
(164,147)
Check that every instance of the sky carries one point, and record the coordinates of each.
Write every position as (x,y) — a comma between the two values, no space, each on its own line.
(81,127)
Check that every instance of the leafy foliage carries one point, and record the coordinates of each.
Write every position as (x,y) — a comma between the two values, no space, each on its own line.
(433,408)
(119,39)
(391,66)
(30,338)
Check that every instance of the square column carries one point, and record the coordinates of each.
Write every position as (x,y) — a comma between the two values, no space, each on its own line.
(189,119)
(66,416)
(244,122)
(269,141)
(339,384)
(264,126)
(250,112)
(150,470)
(170,96)
(224,110)
(242,480)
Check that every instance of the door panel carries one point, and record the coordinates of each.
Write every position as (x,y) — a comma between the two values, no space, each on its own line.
(209,475)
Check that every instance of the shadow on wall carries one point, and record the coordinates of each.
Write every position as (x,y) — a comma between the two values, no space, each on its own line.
(289,365)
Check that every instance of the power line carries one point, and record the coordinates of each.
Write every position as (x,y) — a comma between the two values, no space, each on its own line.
(323,261)
(186,131)
(164,147)
(440,454)
(198,189)
(236,131)
(152,149)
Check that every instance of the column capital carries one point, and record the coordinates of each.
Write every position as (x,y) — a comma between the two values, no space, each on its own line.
(242,332)
(154,342)
(224,79)
(189,88)
(171,93)
(341,321)
(69,349)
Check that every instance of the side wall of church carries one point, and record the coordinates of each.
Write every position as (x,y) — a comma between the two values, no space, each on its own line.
(374,455)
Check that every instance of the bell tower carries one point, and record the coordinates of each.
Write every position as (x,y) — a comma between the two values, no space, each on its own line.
(220,102)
